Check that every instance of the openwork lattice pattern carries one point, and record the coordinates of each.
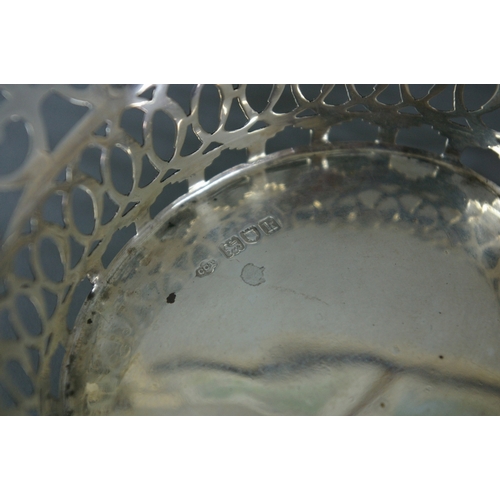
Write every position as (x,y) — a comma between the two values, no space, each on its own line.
(83,186)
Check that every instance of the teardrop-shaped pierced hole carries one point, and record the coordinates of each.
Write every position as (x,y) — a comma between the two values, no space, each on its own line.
(102,130)
(391,95)
(55,365)
(65,294)
(62,176)
(365,90)
(423,137)
(60,116)
(14,146)
(48,342)
(492,119)
(148,173)
(258,126)
(236,118)
(50,259)
(117,242)
(22,264)
(209,108)
(355,130)
(182,94)
(34,355)
(26,227)
(19,377)
(227,159)
(358,108)
(169,194)
(258,96)
(9,203)
(286,102)
(337,96)
(310,91)
(307,112)
(211,147)
(484,161)
(52,210)
(28,314)
(129,207)
(51,301)
(191,142)
(122,173)
(93,246)
(444,100)
(109,209)
(418,91)
(90,163)
(148,93)
(7,330)
(132,122)
(6,400)
(290,137)
(76,252)
(164,135)
(168,174)
(476,96)
(83,211)
(460,120)
(409,110)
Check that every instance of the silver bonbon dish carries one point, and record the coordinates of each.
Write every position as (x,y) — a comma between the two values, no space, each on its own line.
(241,250)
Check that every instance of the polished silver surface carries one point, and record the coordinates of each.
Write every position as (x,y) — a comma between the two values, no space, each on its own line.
(314,277)
(339,282)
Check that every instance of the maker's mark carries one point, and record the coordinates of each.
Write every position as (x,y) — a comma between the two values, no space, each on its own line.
(206,267)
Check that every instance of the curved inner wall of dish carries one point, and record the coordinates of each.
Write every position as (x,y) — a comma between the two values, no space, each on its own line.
(335,282)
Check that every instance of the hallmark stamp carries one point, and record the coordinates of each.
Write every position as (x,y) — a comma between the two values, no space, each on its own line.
(232,246)
(269,225)
(206,267)
(250,235)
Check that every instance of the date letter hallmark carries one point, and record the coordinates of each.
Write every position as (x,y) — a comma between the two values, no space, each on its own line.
(269,225)
(250,235)
(232,246)
(206,267)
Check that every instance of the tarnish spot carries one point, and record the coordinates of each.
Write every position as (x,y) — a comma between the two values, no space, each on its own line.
(253,275)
